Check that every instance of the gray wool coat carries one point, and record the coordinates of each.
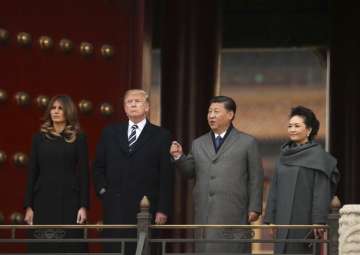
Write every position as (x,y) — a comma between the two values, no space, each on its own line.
(228,185)
(300,193)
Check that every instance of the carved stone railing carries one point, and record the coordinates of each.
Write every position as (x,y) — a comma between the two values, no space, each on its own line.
(349,230)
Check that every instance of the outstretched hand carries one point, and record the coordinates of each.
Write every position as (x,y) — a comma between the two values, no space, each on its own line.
(176,150)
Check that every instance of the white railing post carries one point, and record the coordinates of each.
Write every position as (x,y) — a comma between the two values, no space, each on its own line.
(349,230)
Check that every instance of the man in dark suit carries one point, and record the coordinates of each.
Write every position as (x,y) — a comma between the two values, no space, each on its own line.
(132,161)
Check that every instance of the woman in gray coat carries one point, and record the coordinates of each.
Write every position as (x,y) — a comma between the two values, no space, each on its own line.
(303,185)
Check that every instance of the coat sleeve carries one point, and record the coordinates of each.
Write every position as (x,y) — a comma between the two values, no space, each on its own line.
(99,165)
(321,198)
(256,178)
(186,164)
(33,172)
(83,166)
(166,177)
(270,212)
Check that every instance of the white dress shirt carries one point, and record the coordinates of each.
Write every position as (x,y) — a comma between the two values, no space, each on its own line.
(222,134)
(140,125)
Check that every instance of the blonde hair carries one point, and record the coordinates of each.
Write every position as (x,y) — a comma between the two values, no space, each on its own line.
(137,91)
(72,126)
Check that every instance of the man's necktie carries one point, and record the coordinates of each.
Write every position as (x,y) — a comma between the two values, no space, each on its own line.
(218,141)
(132,137)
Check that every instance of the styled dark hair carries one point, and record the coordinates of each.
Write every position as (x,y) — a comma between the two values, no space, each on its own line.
(309,117)
(228,102)
(72,127)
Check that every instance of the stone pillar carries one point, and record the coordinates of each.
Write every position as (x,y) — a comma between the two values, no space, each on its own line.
(349,230)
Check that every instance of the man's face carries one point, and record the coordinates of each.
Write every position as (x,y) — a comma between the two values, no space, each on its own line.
(219,118)
(136,107)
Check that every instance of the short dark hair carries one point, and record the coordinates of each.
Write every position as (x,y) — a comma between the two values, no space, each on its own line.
(309,117)
(228,102)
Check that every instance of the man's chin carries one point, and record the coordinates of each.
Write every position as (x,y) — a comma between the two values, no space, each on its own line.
(136,116)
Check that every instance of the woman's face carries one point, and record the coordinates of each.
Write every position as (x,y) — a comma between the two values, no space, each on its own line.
(297,130)
(57,113)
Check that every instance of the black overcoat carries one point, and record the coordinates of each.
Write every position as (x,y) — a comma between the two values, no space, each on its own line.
(57,185)
(128,176)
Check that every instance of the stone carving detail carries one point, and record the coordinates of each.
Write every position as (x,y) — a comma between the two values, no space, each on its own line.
(349,230)
(49,234)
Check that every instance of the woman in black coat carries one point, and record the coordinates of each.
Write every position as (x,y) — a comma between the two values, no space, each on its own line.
(303,184)
(57,186)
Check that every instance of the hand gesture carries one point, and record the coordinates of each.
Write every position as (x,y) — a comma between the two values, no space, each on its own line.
(176,150)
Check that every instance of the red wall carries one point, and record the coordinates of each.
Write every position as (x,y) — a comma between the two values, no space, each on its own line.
(52,72)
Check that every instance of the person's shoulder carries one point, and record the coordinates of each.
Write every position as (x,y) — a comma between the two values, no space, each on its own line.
(159,129)
(38,136)
(81,136)
(113,127)
(154,126)
(202,138)
(326,155)
(244,136)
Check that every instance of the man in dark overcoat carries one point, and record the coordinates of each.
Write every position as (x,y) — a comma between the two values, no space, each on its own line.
(133,161)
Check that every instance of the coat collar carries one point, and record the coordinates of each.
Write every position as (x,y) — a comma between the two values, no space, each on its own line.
(122,137)
(229,141)
(209,146)
(146,133)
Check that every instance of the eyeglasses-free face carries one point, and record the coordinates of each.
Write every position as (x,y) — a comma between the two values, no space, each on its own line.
(298,132)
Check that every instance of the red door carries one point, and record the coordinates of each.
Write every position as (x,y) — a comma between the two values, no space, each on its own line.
(31,67)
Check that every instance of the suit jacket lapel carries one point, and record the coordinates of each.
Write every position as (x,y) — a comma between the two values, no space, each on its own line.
(144,136)
(122,136)
(209,146)
(230,139)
